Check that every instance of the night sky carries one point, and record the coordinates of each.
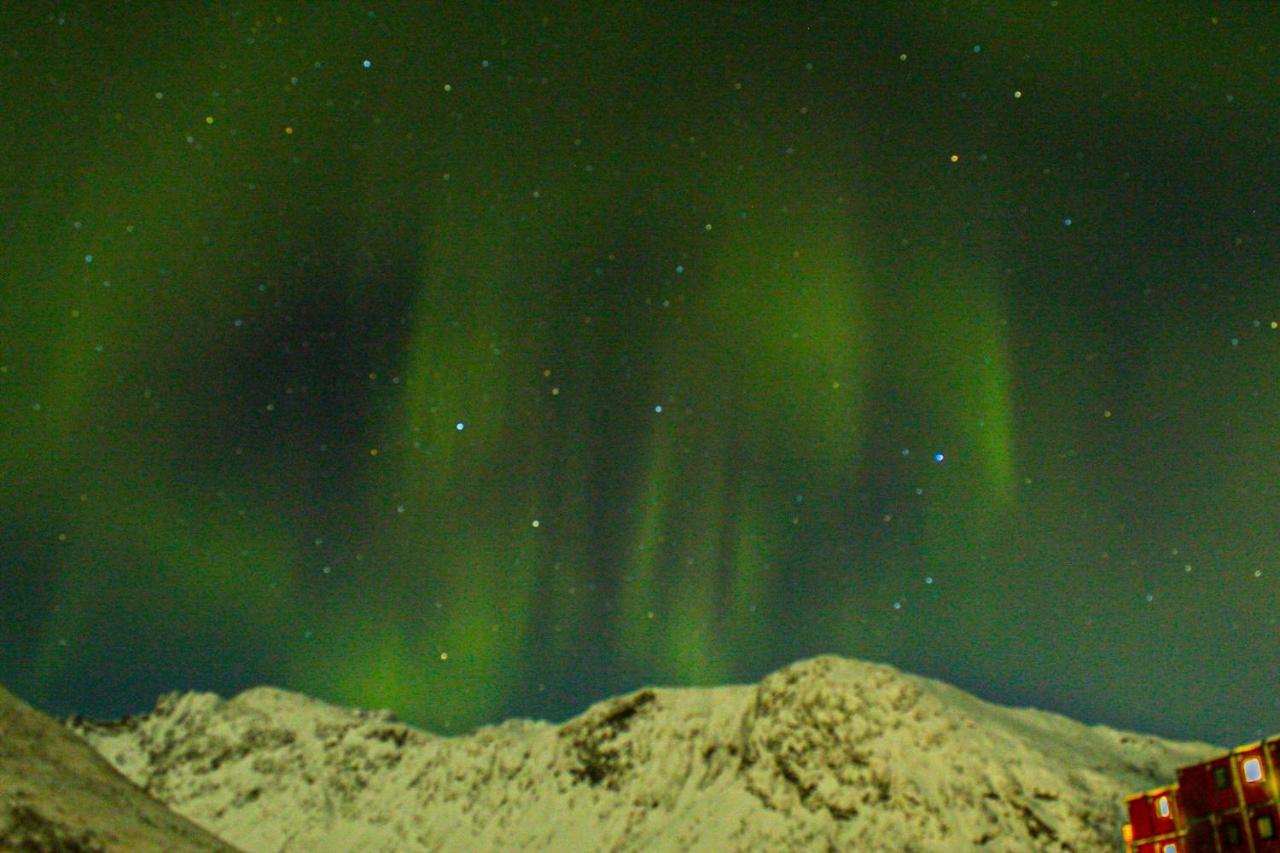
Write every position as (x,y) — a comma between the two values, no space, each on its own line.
(480,360)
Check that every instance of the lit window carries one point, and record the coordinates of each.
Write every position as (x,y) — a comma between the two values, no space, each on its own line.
(1169,848)
(1162,806)
(1266,826)
(1252,770)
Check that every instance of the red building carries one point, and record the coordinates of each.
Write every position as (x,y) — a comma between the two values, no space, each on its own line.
(1227,804)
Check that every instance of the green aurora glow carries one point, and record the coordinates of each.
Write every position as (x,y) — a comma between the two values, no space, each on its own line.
(563,351)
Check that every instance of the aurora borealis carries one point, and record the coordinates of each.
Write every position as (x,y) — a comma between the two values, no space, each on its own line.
(480,360)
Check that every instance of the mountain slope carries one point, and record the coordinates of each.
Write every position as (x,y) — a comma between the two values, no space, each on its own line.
(827,753)
(56,793)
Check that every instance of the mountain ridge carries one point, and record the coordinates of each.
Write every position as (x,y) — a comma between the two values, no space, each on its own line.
(826,753)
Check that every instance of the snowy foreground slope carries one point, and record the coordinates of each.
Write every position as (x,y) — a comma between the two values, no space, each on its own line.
(826,754)
(58,794)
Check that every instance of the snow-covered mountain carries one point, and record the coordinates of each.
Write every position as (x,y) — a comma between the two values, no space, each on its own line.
(825,754)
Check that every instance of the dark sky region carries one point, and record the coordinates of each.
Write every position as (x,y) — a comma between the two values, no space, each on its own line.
(480,360)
